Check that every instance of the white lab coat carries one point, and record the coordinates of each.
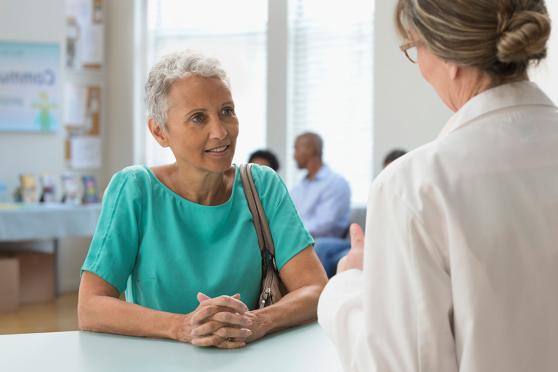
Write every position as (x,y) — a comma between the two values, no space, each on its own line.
(461,249)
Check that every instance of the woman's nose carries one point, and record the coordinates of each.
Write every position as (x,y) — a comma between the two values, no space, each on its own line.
(217,129)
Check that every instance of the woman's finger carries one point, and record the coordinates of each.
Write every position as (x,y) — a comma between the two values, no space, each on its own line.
(233,333)
(203,313)
(222,319)
(206,341)
(233,303)
(231,344)
(206,329)
(210,307)
(230,338)
(233,319)
(202,297)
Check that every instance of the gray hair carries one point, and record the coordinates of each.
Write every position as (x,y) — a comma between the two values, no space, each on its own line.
(173,67)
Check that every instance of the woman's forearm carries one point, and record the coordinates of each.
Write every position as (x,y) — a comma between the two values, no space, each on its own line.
(112,315)
(295,308)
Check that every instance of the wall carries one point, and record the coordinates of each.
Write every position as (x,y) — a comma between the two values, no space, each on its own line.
(43,21)
(120,136)
(28,20)
(407,111)
(546,75)
(277,37)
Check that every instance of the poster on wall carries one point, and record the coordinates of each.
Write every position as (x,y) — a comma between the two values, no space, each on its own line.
(30,93)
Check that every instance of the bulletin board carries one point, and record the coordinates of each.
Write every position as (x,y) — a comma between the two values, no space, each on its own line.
(84,34)
(82,118)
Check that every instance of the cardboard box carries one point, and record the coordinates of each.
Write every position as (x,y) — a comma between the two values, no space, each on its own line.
(36,277)
(9,284)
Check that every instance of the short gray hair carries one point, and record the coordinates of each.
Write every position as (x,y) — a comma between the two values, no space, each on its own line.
(173,67)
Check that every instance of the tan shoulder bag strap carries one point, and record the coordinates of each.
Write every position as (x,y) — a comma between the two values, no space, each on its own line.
(265,239)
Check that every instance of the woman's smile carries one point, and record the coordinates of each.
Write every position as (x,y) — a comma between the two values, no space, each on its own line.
(219,152)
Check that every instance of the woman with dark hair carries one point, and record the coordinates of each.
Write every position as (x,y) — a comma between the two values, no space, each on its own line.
(393,155)
(264,157)
(459,269)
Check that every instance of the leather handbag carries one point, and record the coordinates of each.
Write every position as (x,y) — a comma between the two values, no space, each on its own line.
(272,289)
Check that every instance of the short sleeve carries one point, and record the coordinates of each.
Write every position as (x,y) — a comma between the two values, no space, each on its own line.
(114,247)
(289,234)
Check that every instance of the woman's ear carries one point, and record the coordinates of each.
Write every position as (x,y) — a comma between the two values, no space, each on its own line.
(453,71)
(159,133)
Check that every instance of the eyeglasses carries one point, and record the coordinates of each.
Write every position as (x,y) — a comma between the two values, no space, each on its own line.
(410,51)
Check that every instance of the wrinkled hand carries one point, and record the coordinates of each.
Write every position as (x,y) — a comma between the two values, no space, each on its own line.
(355,257)
(221,322)
(259,326)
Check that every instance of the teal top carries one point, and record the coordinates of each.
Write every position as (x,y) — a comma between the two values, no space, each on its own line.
(164,249)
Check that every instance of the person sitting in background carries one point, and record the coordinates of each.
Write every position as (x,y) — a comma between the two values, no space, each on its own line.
(180,238)
(331,250)
(264,157)
(323,197)
(392,155)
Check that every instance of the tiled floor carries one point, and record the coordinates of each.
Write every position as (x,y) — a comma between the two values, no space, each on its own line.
(57,315)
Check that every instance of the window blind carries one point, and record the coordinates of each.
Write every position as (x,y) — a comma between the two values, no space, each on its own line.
(330,86)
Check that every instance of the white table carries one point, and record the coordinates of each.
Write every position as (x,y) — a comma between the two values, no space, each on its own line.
(300,349)
(47,222)
(44,221)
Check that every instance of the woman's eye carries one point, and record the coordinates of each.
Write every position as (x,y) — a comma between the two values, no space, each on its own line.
(197,118)
(228,111)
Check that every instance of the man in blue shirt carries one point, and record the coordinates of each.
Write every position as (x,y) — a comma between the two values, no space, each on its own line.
(323,197)
(331,249)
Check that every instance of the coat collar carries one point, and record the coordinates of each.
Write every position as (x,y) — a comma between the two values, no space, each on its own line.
(504,96)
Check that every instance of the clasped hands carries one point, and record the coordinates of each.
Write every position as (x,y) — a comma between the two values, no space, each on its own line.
(223,322)
(226,322)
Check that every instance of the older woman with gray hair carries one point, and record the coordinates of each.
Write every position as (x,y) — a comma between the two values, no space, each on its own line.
(459,267)
(180,238)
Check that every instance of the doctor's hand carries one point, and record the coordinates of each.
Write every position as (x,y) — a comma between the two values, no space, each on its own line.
(355,257)
(220,322)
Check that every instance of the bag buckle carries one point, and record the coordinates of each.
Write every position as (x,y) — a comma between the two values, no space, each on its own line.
(265,296)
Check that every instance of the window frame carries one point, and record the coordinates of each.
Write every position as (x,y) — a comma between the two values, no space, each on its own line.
(277,84)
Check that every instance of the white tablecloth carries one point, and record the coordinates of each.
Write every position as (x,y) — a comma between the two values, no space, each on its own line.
(54,221)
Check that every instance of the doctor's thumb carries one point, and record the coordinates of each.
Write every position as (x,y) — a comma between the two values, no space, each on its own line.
(357,236)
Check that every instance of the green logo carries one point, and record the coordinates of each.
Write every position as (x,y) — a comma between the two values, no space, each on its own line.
(44,117)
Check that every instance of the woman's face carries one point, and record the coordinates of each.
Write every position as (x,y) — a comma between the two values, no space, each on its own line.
(435,71)
(202,126)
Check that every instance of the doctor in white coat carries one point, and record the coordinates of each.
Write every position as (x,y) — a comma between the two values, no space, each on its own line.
(460,267)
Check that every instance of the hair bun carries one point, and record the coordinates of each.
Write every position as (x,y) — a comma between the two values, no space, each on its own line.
(522,37)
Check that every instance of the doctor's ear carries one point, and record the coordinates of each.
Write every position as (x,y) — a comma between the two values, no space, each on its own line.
(159,132)
(453,70)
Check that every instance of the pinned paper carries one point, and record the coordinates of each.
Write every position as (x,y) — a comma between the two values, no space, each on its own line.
(75,105)
(85,152)
(92,46)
